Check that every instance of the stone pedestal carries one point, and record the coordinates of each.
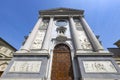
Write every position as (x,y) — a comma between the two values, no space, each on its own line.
(98,68)
(28,67)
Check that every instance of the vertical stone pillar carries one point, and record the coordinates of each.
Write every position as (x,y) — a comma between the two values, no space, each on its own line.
(96,44)
(48,35)
(27,45)
(74,34)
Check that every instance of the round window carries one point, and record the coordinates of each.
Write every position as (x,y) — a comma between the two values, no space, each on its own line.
(61,22)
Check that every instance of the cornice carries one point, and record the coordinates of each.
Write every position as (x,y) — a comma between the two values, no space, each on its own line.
(61,11)
(50,16)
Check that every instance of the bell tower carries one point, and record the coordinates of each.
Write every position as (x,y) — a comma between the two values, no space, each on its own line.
(62,46)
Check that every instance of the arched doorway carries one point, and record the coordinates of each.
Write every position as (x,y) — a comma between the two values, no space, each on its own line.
(61,65)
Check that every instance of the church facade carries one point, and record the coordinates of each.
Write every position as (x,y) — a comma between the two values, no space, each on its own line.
(62,46)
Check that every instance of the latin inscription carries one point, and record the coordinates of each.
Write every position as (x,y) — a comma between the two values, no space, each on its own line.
(26,66)
(99,67)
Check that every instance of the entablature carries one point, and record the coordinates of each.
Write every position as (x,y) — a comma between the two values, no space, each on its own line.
(61,12)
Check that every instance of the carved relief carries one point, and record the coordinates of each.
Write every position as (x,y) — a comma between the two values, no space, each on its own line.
(85,44)
(38,39)
(6,51)
(26,66)
(99,66)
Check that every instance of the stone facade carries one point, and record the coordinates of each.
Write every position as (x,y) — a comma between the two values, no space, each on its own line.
(63,47)
(6,53)
(116,52)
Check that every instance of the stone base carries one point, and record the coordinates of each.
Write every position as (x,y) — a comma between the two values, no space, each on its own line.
(26,68)
(98,79)
(22,79)
(98,68)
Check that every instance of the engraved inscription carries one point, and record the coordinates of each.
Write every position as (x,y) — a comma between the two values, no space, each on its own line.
(26,66)
(99,66)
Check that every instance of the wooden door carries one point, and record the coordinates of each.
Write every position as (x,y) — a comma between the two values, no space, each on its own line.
(61,65)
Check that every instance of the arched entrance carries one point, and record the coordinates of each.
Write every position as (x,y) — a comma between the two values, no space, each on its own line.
(61,65)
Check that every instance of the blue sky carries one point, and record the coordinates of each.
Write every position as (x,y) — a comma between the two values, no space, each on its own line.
(18,17)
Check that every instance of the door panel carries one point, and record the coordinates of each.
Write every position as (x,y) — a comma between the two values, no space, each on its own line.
(62,66)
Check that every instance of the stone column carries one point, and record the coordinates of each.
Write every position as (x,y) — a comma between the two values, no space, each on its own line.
(96,44)
(48,35)
(27,45)
(74,34)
